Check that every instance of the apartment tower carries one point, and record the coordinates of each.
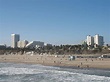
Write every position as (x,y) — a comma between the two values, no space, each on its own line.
(14,40)
(90,40)
(98,40)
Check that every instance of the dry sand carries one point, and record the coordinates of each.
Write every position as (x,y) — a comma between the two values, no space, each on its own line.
(52,60)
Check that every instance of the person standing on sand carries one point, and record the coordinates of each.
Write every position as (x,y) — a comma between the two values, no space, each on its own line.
(81,63)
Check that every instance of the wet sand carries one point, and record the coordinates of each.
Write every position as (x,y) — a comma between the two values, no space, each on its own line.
(61,60)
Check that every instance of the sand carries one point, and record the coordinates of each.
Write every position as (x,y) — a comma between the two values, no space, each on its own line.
(53,60)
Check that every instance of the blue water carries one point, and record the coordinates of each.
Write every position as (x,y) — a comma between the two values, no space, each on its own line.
(10,72)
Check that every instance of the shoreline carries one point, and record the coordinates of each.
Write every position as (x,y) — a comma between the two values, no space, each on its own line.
(59,61)
(69,67)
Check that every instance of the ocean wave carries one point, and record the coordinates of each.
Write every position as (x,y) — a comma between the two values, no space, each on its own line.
(39,73)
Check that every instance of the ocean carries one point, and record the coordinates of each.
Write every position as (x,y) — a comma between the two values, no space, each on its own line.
(11,72)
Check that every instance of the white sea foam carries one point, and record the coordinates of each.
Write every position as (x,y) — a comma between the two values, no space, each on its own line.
(13,71)
(39,73)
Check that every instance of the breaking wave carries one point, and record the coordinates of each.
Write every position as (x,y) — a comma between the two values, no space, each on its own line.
(10,72)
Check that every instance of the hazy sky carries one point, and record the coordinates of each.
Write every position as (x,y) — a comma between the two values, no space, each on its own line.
(54,21)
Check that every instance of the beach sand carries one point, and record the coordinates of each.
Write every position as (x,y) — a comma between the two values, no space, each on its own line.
(60,60)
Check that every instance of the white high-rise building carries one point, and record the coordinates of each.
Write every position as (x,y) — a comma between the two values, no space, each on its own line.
(98,40)
(14,40)
(22,44)
(90,40)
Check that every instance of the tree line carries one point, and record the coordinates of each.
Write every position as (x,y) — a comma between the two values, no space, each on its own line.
(59,50)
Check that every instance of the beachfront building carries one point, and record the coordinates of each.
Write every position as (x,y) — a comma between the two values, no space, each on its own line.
(98,40)
(2,46)
(47,44)
(90,40)
(35,44)
(14,40)
(22,44)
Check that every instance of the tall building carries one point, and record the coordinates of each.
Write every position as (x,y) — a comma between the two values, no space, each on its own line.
(98,40)
(14,40)
(22,44)
(90,40)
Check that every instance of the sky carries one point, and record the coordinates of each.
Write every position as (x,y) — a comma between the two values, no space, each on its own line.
(54,21)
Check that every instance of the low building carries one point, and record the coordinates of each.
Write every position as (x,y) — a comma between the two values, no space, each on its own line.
(35,44)
(3,46)
(47,44)
(22,44)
